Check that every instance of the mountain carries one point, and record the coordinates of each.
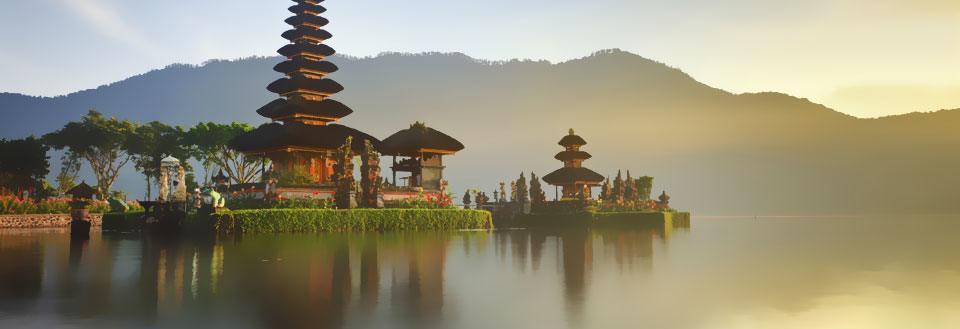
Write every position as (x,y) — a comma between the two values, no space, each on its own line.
(714,151)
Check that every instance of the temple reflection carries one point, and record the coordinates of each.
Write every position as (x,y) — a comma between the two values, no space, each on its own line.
(297,281)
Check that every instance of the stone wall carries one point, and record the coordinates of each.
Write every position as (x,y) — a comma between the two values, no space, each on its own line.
(42,221)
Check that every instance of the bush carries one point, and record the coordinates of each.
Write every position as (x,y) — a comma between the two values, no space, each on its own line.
(124,222)
(11,205)
(247,201)
(330,220)
(423,201)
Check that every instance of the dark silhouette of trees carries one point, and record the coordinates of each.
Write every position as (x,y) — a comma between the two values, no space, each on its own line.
(101,141)
(644,187)
(23,165)
(618,189)
(522,196)
(537,196)
(209,143)
(152,142)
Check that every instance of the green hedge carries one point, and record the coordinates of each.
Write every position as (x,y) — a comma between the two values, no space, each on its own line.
(331,220)
(123,222)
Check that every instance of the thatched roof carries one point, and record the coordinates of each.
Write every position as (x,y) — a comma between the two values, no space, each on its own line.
(303,31)
(83,191)
(417,138)
(286,85)
(571,175)
(303,7)
(288,66)
(307,18)
(319,50)
(327,108)
(293,134)
(572,140)
(572,155)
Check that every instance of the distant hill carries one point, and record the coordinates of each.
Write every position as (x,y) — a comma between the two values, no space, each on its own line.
(714,151)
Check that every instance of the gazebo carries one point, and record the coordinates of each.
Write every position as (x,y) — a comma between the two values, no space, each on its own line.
(421,150)
(573,178)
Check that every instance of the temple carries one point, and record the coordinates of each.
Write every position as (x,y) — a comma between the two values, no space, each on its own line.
(304,135)
(303,138)
(574,180)
(421,150)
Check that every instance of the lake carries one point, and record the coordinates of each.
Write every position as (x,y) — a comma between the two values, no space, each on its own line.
(844,272)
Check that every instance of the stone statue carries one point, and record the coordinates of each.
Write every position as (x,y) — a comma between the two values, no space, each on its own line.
(371,183)
(343,175)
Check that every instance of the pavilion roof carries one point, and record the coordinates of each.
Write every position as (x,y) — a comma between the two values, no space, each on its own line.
(292,65)
(326,108)
(301,19)
(299,135)
(83,191)
(287,85)
(572,155)
(573,175)
(319,50)
(304,31)
(303,6)
(419,138)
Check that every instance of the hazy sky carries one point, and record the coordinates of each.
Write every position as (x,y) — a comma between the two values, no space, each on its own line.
(863,57)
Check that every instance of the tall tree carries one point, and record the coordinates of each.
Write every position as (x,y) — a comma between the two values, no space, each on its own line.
(618,188)
(629,189)
(209,143)
(101,141)
(69,172)
(23,164)
(644,187)
(521,194)
(606,192)
(152,142)
(537,196)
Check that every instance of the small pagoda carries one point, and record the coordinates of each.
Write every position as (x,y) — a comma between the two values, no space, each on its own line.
(574,180)
(421,150)
(304,134)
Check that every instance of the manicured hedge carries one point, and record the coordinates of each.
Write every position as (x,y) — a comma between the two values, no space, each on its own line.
(331,220)
(123,222)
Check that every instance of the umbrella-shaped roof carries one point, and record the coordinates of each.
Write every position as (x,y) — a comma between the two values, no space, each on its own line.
(419,139)
(298,135)
(573,175)
(572,139)
(83,191)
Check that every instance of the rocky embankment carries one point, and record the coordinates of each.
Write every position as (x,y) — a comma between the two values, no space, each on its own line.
(42,221)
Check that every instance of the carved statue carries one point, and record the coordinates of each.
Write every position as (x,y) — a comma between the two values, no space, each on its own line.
(370,182)
(343,175)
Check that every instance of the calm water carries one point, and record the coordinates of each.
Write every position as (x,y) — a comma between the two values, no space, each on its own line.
(719,273)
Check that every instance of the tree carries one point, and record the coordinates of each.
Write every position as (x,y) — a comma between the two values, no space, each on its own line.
(606,192)
(618,189)
(23,164)
(644,187)
(522,192)
(152,142)
(466,199)
(69,172)
(209,143)
(537,196)
(99,140)
(629,189)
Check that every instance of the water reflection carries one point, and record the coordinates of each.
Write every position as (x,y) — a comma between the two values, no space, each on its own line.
(288,281)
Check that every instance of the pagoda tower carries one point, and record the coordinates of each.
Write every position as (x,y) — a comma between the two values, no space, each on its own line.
(573,178)
(303,135)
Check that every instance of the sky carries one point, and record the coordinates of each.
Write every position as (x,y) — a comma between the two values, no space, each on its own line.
(867,58)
